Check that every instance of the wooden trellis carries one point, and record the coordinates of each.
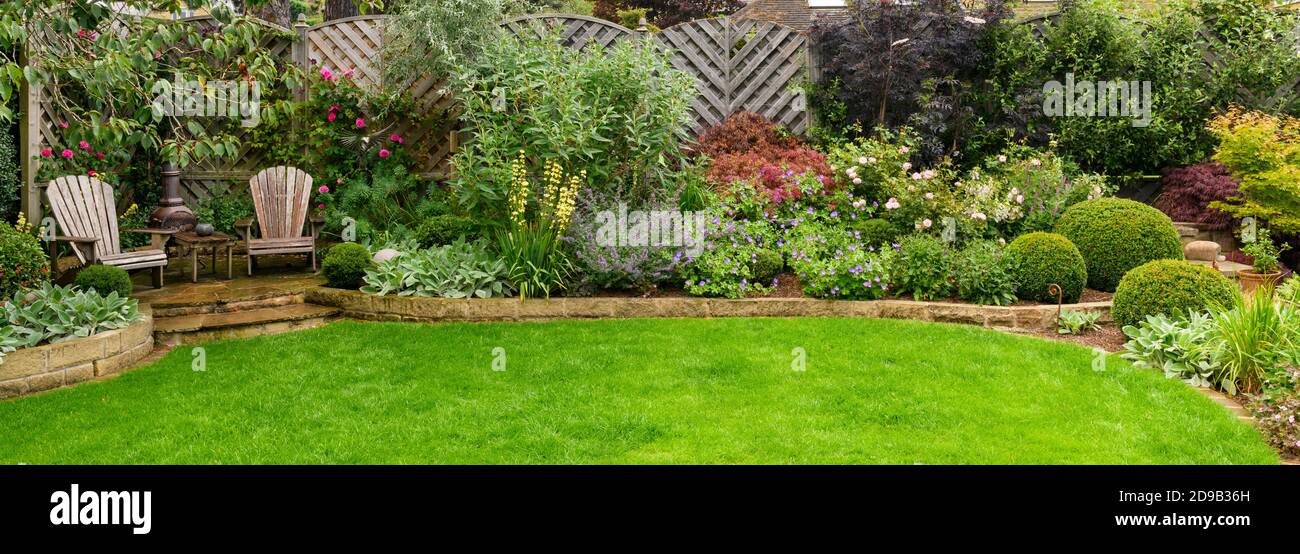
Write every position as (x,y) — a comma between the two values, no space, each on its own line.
(576,31)
(741,66)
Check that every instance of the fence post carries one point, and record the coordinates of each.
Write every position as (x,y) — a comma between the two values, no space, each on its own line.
(299,51)
(29,135)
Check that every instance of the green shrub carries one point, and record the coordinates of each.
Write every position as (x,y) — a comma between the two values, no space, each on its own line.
(10,176)
(105,279)
(876,233)
(984,274)
(1166,287)
(22,262)
(922,267)
(1116,235)
(766,264)
(443,229)
(1044,259)
(346,264)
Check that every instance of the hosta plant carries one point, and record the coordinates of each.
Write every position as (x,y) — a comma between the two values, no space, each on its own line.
(457,270)
(1075,322)
(54,314)
(1181,347)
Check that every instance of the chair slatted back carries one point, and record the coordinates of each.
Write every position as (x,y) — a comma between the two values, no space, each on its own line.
(280,197)
(84,207)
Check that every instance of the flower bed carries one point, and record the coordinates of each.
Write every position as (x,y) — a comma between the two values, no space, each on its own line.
(360,305)
(40,368)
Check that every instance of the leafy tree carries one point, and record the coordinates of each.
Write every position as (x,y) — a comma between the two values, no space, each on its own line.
(898,64)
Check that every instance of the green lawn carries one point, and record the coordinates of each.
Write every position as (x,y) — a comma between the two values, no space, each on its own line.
(631,391)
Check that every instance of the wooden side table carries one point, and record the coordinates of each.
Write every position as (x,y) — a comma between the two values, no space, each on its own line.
(213,242)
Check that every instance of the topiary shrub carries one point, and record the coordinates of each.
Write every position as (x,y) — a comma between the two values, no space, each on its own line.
(1116,235)
(105,279)
(345,265)
(443,229)
(1044,259)
(23,264)
(766,264)
(1167,287)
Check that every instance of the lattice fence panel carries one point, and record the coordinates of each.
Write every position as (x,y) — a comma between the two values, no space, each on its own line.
(576,31)
(741,66)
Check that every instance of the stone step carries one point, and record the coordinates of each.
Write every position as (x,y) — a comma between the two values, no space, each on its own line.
(204,327)
(201,307)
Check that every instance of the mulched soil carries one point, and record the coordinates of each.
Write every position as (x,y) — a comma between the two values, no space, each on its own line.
(1110,338)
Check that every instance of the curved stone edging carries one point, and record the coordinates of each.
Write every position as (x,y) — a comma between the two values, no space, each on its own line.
(359,305)
(51,366)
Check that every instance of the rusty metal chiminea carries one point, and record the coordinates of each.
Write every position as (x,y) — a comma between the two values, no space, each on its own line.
(172,213)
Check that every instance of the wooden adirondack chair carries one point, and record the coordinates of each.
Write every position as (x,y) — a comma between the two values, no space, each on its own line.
(280,198)
(86,211)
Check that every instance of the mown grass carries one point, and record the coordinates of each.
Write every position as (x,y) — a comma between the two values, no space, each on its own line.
(632,391)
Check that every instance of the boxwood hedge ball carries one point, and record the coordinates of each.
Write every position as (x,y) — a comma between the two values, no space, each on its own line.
(1116,235)
(1046,259)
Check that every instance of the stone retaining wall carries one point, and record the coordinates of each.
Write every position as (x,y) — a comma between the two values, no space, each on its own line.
(52,366)
(358,305)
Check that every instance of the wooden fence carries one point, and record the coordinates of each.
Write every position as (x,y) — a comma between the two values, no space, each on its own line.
(740,65)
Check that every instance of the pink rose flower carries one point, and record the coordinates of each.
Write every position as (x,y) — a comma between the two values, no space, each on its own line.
(63,124)
(46,153)
(348,73)
(330,117)
(66,153)
(383,153)
(91,173)
(99,155)
(361,123)
(397,138)
(325,74)
(84,145)
(338,181)
(320,206)
(323,189)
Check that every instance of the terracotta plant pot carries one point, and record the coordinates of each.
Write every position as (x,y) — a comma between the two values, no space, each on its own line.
(1251,280)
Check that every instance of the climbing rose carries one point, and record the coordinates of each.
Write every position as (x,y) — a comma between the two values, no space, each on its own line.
(361,123)
(323,189)
(91,173)
(84,145)
(383,153)
(66,153)
(325,74)
(46,153)
(99,155)
(397,138)
(330,117)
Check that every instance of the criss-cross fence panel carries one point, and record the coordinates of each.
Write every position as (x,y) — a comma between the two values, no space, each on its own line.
(741,65)
(575,31)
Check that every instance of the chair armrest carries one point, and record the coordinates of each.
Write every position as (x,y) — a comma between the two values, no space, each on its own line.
(168,232)
(317,224)
(245,228)
(82,240)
